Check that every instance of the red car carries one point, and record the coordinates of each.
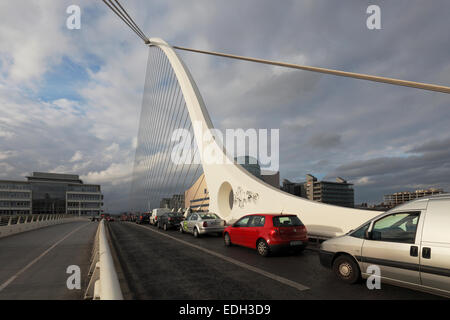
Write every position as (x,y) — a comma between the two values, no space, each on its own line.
(267,233)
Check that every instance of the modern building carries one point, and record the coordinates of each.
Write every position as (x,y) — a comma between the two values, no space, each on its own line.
(295,188)
(197,196)
(15,197)
(338,193)
(50,193)
(393,200)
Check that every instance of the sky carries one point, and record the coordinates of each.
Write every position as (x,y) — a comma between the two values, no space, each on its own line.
(70,100)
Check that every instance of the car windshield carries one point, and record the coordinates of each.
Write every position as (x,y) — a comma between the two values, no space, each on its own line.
(209,216)
(287,221)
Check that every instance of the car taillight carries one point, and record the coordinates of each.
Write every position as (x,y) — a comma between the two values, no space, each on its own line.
(141,217)
(205,224)
(274,232)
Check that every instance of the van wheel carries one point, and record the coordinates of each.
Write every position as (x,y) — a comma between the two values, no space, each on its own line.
(227,240)
(346,269)
(263,248)
(196,234)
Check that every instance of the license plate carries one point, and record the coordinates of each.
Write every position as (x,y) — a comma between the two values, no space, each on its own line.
(296,243)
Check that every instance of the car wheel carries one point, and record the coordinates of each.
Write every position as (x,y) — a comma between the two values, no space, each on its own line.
(227,240)
(181,229)
(263,248)
(346,269)
(165,227)
(196,234)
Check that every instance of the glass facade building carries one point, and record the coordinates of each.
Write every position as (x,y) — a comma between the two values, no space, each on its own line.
(50,193)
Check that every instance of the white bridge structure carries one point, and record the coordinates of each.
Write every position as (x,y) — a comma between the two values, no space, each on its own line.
(233,192)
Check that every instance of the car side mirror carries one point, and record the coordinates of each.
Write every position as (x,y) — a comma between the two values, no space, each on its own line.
(368,235)
(376,235)
(235,225)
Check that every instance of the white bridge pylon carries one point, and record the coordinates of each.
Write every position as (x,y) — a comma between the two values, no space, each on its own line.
(228,181)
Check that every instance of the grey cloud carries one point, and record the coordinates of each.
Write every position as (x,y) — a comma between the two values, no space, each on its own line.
(325,140)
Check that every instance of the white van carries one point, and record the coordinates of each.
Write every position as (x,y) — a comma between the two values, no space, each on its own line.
(410,244)
(157,212)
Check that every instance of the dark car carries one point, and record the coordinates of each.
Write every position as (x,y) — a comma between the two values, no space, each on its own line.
(267,233)
(143,218)
(170,220)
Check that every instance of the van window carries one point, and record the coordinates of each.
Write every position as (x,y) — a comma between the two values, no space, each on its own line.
(397,227)
(360,233)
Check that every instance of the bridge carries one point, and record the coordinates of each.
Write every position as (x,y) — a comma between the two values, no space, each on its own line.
(142,262)
(153,264)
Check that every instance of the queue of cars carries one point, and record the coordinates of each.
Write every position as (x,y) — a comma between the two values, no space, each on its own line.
(410,244)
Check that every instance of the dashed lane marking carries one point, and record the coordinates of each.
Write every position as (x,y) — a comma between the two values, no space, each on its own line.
(272,276)
(14,277)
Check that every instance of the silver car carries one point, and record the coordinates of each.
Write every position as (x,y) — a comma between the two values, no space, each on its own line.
(410,245)
(199,223)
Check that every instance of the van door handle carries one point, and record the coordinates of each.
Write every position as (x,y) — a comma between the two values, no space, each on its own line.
(426,253)
(414,251)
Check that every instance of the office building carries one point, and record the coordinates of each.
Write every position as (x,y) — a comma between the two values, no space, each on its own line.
(50,193)
(339,193)
(393,200)
(15,197)
(197,196)
(295,188)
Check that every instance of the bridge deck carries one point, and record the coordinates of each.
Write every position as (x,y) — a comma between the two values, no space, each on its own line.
(33,264)
(170,265)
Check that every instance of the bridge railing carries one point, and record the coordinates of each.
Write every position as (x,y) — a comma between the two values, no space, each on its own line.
(103,283)
(12,224)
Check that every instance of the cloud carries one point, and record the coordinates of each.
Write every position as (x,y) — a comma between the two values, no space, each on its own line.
(325,140)
(77,157)
(76,94)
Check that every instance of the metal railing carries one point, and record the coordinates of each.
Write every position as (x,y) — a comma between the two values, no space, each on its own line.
(103,283)
(12,224)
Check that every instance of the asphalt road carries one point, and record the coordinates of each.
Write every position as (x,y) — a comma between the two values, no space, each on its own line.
(170,265)
(33,264)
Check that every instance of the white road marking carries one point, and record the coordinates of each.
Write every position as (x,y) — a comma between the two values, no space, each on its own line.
(272,276)
(14,277)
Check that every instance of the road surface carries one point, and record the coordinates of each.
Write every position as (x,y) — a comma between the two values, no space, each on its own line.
(170,265)
(34,263)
